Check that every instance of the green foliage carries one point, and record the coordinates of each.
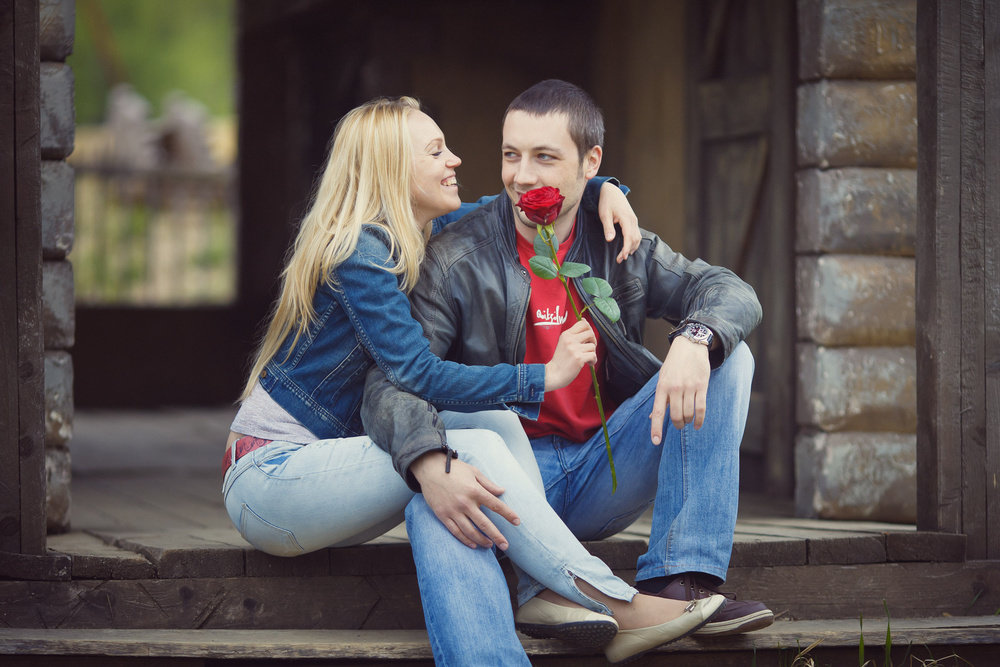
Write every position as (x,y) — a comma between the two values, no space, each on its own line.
(573,269)
(600,289)
(157,46)
(888,636)
(861,640)
(546,242)
(609,307)
(596,286)
(543,267)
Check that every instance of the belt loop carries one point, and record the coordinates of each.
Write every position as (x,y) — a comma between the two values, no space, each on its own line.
(232,454)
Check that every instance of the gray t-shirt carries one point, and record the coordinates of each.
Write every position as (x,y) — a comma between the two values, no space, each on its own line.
(261,416)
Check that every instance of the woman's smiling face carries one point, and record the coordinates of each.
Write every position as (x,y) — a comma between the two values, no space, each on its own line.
(434,187)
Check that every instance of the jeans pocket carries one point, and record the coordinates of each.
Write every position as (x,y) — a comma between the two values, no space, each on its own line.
(271,460)
(267,537)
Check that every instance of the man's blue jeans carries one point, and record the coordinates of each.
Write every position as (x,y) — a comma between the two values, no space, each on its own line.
(692,476)
(464,594)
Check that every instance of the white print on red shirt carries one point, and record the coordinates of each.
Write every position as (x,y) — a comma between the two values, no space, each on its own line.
(546,318)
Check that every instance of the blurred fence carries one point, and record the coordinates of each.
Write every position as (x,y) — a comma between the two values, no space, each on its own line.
(155,236)
(155,205)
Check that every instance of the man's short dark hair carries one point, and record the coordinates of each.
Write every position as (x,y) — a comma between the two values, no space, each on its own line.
(586,122)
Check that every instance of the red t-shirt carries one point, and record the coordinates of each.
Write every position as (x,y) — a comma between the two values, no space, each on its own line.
(570,412)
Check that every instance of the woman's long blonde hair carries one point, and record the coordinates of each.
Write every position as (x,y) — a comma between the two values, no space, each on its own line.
(366,181)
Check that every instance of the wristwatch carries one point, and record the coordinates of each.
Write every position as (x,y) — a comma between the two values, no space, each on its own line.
(695,332)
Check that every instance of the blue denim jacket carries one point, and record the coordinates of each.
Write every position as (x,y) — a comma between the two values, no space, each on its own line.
(363,318)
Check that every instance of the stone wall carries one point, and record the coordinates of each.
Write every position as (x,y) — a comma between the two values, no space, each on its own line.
(57,133)
(855,452)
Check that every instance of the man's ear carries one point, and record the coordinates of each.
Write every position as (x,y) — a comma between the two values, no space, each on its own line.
(592,162)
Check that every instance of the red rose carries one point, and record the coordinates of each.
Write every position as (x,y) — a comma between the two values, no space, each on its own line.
(541,205)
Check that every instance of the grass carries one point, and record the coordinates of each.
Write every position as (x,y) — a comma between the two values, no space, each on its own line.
(802,657)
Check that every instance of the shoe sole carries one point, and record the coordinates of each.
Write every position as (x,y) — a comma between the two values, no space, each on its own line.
(585,634)
(749,623)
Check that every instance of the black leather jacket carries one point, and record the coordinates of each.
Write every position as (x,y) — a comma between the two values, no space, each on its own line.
(472,301)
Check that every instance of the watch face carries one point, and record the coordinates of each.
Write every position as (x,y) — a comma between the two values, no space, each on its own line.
(698,333)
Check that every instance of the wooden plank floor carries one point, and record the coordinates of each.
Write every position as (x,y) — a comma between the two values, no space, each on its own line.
(148,481)
(120,505)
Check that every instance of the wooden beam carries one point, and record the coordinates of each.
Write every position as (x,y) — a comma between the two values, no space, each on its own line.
(779,327)
(938,279)
(10,500)
(972,291)
(31,364)
(384,600)
(991,282)
(53,567)
(22,481)
(958,316)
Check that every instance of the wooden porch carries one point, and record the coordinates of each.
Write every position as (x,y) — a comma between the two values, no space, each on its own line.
(153,571)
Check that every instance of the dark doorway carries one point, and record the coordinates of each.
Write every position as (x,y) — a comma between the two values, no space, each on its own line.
(303,65)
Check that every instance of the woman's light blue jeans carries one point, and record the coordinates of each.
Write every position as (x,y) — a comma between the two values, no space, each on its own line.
(289,499)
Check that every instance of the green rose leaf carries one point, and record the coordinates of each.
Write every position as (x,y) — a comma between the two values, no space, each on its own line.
(598,287)
(543,267)
(573,269)
(546,233)
(609,307)
(541,249)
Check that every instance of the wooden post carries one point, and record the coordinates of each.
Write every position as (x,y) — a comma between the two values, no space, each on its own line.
(958,271)
(22,470)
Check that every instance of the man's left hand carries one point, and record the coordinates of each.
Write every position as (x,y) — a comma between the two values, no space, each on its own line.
(683,385)
(614,209)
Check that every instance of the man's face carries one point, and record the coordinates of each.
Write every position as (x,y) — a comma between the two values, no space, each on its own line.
(537,152)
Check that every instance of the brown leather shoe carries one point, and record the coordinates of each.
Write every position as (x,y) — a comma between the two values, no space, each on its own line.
(735,617)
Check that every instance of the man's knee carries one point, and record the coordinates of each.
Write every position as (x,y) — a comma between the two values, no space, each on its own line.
(417,510)
(741,360)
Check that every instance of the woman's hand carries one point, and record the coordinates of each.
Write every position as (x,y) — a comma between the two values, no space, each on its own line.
(577,346)
(455,498)
(614,209)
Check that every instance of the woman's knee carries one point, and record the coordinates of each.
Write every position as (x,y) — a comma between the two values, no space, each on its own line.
(503,422)
(482,448)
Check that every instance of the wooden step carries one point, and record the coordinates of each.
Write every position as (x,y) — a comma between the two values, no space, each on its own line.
(392,601)
(974,639)
(210,578)
(194,571)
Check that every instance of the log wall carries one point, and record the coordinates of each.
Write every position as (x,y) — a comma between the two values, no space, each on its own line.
(855,451)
